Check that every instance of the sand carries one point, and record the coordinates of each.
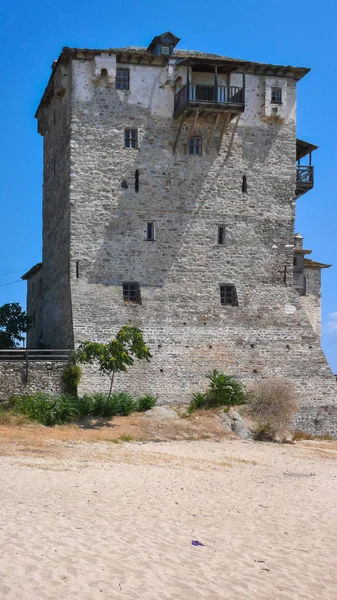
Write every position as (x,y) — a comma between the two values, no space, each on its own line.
(103,520)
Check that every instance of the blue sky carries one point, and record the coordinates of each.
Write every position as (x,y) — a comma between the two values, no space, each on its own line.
(282,32)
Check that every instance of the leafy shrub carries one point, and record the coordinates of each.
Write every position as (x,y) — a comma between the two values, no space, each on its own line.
(145,402)
(224,390)
(71,377)
(65,408)
(199,400)
(273,405)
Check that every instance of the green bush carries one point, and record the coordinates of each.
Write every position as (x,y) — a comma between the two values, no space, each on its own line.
(224,390)
(145,402)
(66,408)
(71,377)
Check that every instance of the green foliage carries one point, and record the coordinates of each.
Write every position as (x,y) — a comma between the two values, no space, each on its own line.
(199,400)
(13,323)
(117,355)
(71,376)
(66,408)
(224,390)
(263,432)
(145,402)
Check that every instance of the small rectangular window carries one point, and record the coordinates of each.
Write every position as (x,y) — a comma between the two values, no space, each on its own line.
(131,293)
(221,235)
(150,231)
(228,295)
(195,146)
(131,138)
(122,79)
(276,95)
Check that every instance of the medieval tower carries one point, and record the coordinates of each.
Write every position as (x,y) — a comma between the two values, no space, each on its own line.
(169,194)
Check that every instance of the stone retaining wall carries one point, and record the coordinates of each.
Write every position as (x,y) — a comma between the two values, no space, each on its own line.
(42,376)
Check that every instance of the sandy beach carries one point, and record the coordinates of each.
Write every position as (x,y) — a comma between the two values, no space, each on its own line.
(99,520)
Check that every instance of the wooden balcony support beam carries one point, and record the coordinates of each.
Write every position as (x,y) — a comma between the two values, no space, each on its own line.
(232,136)
(223,129)
(213,131)
(192,127)
(182,119)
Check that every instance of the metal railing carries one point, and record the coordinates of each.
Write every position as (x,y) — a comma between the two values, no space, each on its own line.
(209,94)
(30,355)
(305,175)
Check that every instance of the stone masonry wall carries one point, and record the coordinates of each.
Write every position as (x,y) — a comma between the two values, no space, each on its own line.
(187,198)
(56,312)
(42,376)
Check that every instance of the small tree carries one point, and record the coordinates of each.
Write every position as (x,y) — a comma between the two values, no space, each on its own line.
(13,323)
(114,356)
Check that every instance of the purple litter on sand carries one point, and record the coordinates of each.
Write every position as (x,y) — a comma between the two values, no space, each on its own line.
(196,543)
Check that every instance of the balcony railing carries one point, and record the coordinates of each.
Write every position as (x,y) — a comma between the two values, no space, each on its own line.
(304,179)
(218,96)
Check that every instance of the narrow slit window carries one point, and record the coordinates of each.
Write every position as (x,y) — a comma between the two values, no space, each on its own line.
(131,138)
(150,231)
(285,275)
(131,293)
(228,296)
(195,146)
(77,266)
(221,235)
(137,180)
(123,79)
(276,95)
(244,184)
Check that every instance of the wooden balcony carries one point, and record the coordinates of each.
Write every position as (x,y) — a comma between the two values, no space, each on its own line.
(304,179)
(216,98)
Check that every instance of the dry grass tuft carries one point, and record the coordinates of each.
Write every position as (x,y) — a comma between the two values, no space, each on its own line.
(7,417)
(273,404)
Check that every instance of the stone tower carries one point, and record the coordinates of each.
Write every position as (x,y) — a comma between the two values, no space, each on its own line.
(169,195)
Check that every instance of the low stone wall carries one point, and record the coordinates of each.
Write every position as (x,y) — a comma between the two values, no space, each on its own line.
(43,376)
(317,416)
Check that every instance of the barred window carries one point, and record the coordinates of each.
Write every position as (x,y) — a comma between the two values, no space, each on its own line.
(131,293)
(195,145)
(276,95)
(122,79)
(131,138)
(228,295)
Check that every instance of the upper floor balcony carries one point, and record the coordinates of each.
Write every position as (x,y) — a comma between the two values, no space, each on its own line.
(304,173)
(209,85)
(213,97)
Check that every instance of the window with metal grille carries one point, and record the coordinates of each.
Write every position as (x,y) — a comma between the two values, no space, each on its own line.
(221,235)
(276,95)
(131,138)
(150,231)
(228,295)
(195,146)
(131,293)
(122,79)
